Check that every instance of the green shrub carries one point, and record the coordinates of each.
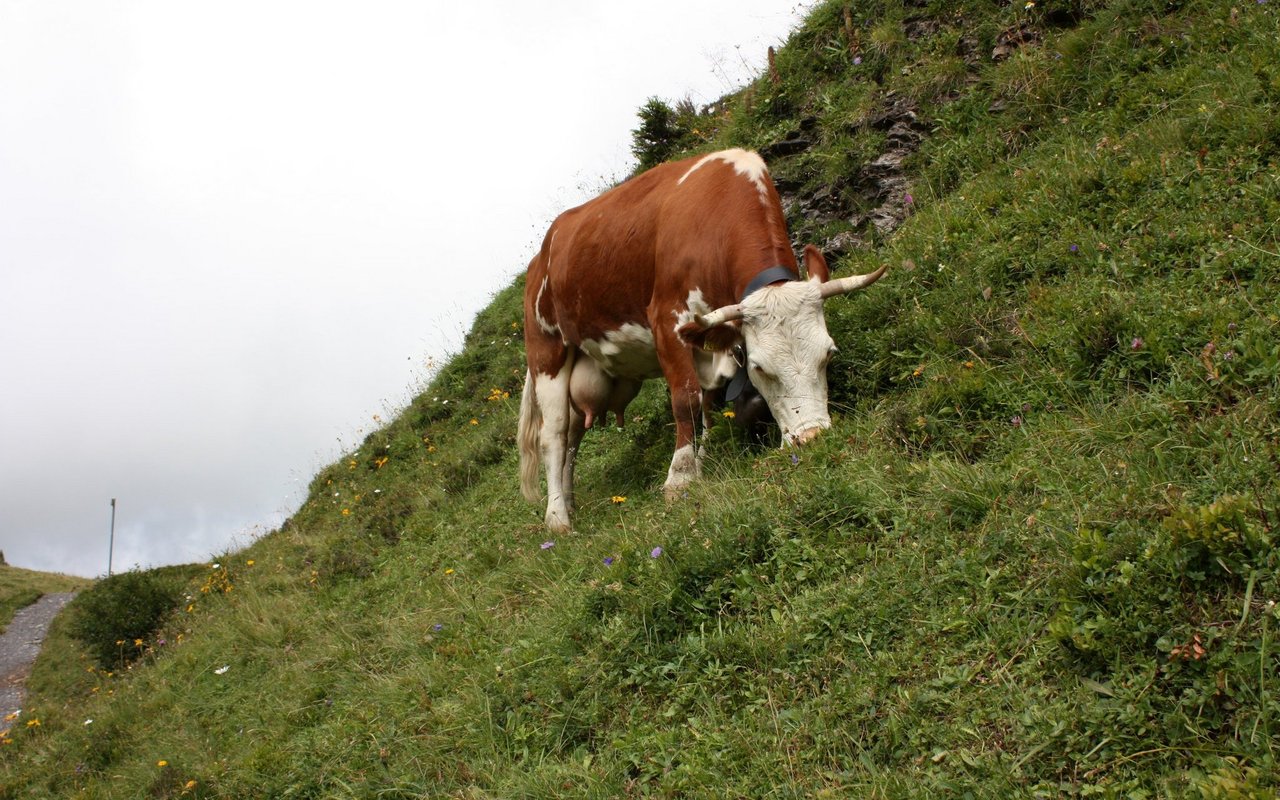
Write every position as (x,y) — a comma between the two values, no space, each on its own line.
(118,612)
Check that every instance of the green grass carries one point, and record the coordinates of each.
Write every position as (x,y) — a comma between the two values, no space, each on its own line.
(1032,558)
(20,588)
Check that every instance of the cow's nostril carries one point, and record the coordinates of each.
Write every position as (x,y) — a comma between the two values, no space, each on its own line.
(806,436)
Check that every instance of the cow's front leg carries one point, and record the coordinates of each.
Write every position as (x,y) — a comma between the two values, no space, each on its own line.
(686,463)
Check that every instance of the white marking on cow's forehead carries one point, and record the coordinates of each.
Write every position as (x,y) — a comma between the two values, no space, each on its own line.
(744,162)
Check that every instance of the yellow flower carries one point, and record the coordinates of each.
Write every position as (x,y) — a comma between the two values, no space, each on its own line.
(380,462)
(618,499)
(729,414)
(249,563)
(968,365)
(137,643)
(449,571)
(190,785)
(346,512)
(475,421)
(33,723)
(162,763)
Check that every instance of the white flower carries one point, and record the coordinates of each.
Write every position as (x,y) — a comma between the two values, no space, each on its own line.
(215,566)
(222,670)
(88,722)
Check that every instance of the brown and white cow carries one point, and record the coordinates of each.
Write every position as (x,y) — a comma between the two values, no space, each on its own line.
(651,279)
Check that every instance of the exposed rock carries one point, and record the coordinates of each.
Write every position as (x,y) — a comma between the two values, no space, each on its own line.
(1010,39)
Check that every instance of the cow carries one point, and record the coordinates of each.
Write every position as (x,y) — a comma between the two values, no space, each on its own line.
(670,274)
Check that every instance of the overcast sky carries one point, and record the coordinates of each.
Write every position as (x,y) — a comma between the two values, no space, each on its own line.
(231,233)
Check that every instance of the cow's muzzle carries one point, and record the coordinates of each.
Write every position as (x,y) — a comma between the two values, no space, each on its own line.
(804,437)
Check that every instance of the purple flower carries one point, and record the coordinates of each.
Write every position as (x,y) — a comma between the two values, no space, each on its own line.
(795,459)
(548,545)
(439,626)
(857,60)
(1075,248)
(1227,356)
(655,552)
(608,561)
(908,199)
(1016,422)
(1137,343)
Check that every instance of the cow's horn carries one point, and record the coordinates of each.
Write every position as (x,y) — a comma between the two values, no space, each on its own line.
(852,283)
(719,316)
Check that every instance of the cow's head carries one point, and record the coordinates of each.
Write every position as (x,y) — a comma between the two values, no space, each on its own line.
(787,343)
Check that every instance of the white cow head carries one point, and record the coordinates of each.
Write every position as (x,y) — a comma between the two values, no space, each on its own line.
(788,347)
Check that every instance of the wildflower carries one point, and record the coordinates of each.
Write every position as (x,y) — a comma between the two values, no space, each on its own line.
(608,561)
(475,421)
(88,722)
(857,61)
(249,563)
(439,626)
(162,763)
(1030,5)
(1075,248)
(1137,343)
(137,643)
(215,566)
(968,365)
(618,499)
(346,512)
(728,414)
(13,716)
(222,670)
(655,552)
(380,462)
(189,786)
(908,199)
(33,723)
(1016,422)
(548,545)
(449,571)
(795,459)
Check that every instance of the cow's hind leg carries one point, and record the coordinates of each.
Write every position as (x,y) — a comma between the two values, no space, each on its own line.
(552,391)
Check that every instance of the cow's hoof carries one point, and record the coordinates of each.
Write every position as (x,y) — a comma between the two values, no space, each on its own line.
(675,493)
(558,523)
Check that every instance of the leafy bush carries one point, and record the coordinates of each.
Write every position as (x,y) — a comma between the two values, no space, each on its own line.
(121,610)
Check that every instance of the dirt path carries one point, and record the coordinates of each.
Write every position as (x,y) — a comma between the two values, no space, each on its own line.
(19,646)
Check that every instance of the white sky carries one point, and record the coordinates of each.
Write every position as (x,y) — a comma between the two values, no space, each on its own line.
(231,233)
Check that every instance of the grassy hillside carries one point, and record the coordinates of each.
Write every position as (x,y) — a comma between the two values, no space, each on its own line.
(1034,557)
(20,588)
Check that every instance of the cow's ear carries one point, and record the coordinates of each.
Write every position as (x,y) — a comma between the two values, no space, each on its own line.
(815,264)
(718,337)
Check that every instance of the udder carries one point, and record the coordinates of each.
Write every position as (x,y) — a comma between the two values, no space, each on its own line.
(594,393)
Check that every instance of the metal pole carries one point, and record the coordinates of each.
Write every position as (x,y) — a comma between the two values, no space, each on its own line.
(111,547)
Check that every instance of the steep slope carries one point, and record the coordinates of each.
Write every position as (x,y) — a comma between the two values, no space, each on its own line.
(1032,558)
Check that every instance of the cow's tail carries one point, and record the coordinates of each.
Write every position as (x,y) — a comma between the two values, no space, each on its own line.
(528,435)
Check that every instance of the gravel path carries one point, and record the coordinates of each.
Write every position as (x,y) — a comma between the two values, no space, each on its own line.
(19,646)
